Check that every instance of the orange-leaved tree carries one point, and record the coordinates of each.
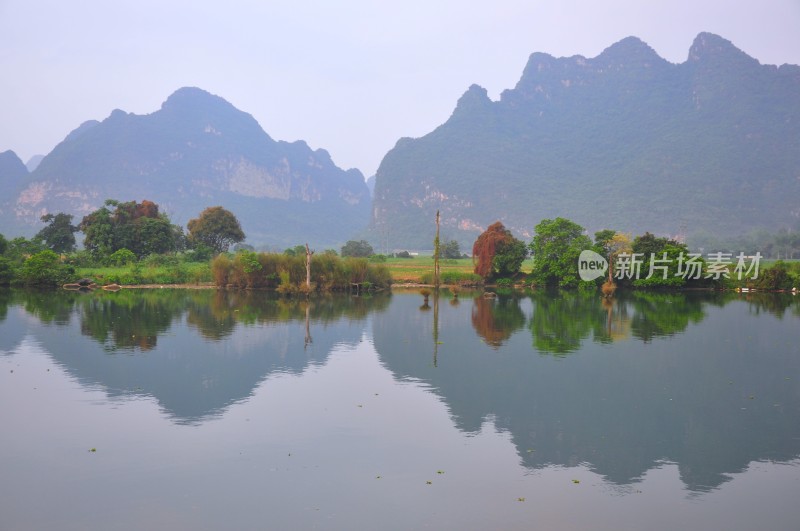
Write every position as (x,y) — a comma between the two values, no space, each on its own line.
(497,251)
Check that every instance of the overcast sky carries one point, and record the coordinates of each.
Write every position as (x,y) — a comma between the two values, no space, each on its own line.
(351,76)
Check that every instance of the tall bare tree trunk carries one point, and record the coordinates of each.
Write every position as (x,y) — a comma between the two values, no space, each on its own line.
(436,255)
(309,252)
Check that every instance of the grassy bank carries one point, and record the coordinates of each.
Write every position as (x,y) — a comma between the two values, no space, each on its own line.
(135,274)
(416,270)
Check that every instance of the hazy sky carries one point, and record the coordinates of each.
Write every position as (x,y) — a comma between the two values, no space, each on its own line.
(351,76)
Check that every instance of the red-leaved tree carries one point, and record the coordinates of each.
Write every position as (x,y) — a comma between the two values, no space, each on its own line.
(487,245)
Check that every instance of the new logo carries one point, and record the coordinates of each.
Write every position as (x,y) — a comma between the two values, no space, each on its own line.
(591,265)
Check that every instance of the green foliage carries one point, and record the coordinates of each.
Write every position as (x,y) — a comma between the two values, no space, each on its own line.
(172,271)
(242,247)
(508,257)
(359,248)
(216,228)
(3,244)
(450,249)
(138,227)
(664,249)
(6,271)
(377,258)
(121,257)
(20,249)
(249,261)
(297,250)
(555,249)
(776,277)
(601,241)
(161,260)
(98,231)
(81,259)
(200,253)
(45,269)
(59,234)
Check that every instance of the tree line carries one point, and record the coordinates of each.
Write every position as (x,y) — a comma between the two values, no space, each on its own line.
(122,233)
(115,234)
(558,243)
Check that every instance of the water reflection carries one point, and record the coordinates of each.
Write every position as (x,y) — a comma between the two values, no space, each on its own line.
(496,318)
(642,385)
(239,340)
(707,381)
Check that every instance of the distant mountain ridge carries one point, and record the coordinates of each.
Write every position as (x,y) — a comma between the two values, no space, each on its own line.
(198,150)
(12,170)
(625,140)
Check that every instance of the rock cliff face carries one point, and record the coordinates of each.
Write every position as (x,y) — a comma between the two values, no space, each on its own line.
(197,151)
(624,140)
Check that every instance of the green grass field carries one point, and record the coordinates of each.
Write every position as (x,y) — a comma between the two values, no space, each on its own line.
(411,270)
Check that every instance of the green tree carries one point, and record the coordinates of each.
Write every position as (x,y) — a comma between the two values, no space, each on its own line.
(297,250)
(153,236)
(451,250)
(216,228)
(556,246)
(3,244)
(19,249)
(509,256)
(610,245)
(663,252)
(139,227)
(59,234)
(357,248)
(98,231)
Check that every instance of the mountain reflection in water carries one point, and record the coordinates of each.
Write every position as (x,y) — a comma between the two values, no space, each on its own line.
(707,381)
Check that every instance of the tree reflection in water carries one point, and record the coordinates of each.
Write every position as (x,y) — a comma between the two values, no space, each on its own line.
(495,319)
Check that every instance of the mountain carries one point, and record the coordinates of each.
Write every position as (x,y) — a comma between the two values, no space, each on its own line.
(12,176)
(33,162)
(371,184)
(197,151)
(12,170)
(624,140)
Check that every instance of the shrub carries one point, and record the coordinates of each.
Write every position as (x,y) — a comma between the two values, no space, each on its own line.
(161,260)
(221,269)
(775,277)
(288,273)
(121,257)
(200,253)
(81,259)
(45,268)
